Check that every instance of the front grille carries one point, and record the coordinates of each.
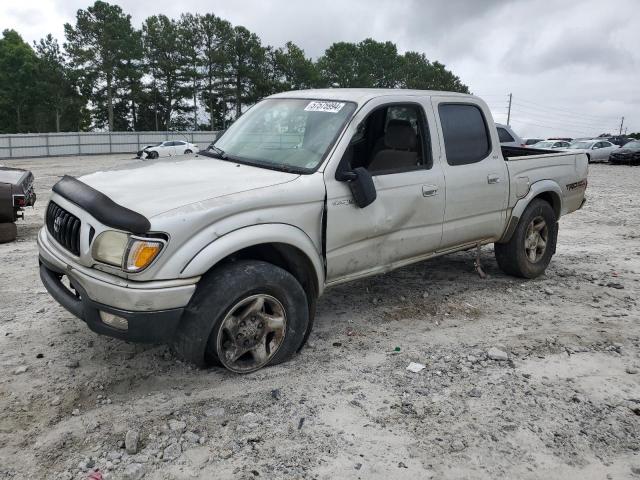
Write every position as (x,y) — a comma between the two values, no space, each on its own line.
(64,227)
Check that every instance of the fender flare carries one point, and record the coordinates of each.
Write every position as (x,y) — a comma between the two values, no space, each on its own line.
(244,237)
(536,189)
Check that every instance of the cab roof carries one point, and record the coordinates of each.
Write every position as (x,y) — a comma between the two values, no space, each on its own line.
(363,95)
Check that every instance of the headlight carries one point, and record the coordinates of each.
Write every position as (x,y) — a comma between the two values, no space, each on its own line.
(130,253)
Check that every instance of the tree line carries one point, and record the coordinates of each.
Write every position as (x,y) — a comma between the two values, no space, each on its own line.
(193,72)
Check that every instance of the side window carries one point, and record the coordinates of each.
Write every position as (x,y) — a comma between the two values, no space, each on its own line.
(504,136)
(466,136)
(392,139)
(178,143)
(169,144)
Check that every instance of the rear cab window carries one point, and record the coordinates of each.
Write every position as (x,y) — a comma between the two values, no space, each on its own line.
(465,132)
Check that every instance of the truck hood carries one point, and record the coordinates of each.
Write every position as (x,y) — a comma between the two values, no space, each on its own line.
(152,188)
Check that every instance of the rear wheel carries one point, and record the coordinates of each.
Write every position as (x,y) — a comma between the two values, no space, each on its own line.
(8,232)
(528,253)
(245,315)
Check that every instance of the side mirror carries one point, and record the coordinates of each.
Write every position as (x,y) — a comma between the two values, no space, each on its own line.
(361,185)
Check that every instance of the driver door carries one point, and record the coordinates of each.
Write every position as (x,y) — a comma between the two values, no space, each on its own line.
(394,142)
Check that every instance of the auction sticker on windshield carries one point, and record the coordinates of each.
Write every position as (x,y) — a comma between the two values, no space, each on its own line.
(328,107)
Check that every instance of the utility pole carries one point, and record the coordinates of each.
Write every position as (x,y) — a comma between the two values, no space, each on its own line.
(621,123)
(509,110)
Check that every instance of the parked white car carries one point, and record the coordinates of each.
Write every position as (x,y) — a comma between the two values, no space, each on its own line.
(169,149)
(508,137)
(551,145)
(596,150)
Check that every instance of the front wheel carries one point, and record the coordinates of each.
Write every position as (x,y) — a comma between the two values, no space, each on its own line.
(187,151)
(244,315)
(528,253)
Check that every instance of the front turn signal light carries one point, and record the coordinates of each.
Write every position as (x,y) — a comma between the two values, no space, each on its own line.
(141,253)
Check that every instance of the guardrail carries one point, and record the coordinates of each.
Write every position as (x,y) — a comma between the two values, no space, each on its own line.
(24,145)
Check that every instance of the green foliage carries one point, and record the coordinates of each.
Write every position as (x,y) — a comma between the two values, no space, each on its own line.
(198,71)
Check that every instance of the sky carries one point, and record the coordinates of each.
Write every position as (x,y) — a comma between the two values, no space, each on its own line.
(572,66)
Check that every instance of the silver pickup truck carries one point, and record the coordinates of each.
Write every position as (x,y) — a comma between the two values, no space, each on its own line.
(223,255)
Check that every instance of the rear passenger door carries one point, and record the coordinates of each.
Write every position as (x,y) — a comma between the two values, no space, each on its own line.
(477,181)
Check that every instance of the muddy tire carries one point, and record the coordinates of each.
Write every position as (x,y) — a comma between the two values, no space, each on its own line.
(152,155)
(8,232)
(244,316)
(528,253)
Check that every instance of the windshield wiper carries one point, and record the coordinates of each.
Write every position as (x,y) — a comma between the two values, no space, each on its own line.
(219,153)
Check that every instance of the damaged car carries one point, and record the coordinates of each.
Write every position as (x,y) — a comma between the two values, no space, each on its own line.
(169,148)
(224,255)
(16,193)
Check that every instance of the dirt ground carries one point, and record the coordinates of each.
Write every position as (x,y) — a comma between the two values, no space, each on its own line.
(565,403)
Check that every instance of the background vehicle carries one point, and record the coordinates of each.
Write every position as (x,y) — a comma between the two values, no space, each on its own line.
(169,149)
(224,255)
(596,150)
(16,193)
(530,141)
(629,154)
(140,152)
(508,137)
(551,144)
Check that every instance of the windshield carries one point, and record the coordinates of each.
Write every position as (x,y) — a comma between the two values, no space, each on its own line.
(632,145)
(543,145)
(285,133)
(580,145)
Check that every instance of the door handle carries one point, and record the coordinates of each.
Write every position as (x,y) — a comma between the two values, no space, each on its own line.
(429,190)
(493,179)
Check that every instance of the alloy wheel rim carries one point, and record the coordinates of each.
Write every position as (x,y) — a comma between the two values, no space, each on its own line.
(251,333)
(536,238)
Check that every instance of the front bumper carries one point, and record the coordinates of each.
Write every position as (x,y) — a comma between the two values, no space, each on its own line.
(143,327)
(153,309)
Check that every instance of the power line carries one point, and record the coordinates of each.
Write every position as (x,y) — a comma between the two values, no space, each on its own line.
(597,117)
(562,121)
(561,115)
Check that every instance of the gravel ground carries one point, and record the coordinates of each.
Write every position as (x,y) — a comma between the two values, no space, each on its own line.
(523,379)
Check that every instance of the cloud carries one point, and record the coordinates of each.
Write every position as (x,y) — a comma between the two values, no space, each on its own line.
(557,56)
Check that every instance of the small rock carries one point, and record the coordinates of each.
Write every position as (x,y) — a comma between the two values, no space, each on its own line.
(475,392)
(75,412)
(615,285)
(548,291)
(134,471)
(131,442)
(55,401)
(73,364)
(172,452)
(191,437)
(497,354)
(250,418)
(631,370)
(226,453)
(635,469)
(457,446)
(177,425)
(20,370)
(275,393)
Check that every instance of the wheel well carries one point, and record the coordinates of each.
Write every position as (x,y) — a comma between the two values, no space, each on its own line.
(288,258)
(552,199)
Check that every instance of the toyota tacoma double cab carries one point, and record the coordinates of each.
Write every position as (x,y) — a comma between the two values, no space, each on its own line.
(16,193)
(224,256)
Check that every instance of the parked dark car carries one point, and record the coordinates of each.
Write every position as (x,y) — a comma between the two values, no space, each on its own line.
(627,155)
(16,193)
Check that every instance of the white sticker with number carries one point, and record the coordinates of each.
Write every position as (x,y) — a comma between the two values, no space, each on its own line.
(328,107)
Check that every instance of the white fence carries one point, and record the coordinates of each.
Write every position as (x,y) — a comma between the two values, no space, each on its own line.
(89,143)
